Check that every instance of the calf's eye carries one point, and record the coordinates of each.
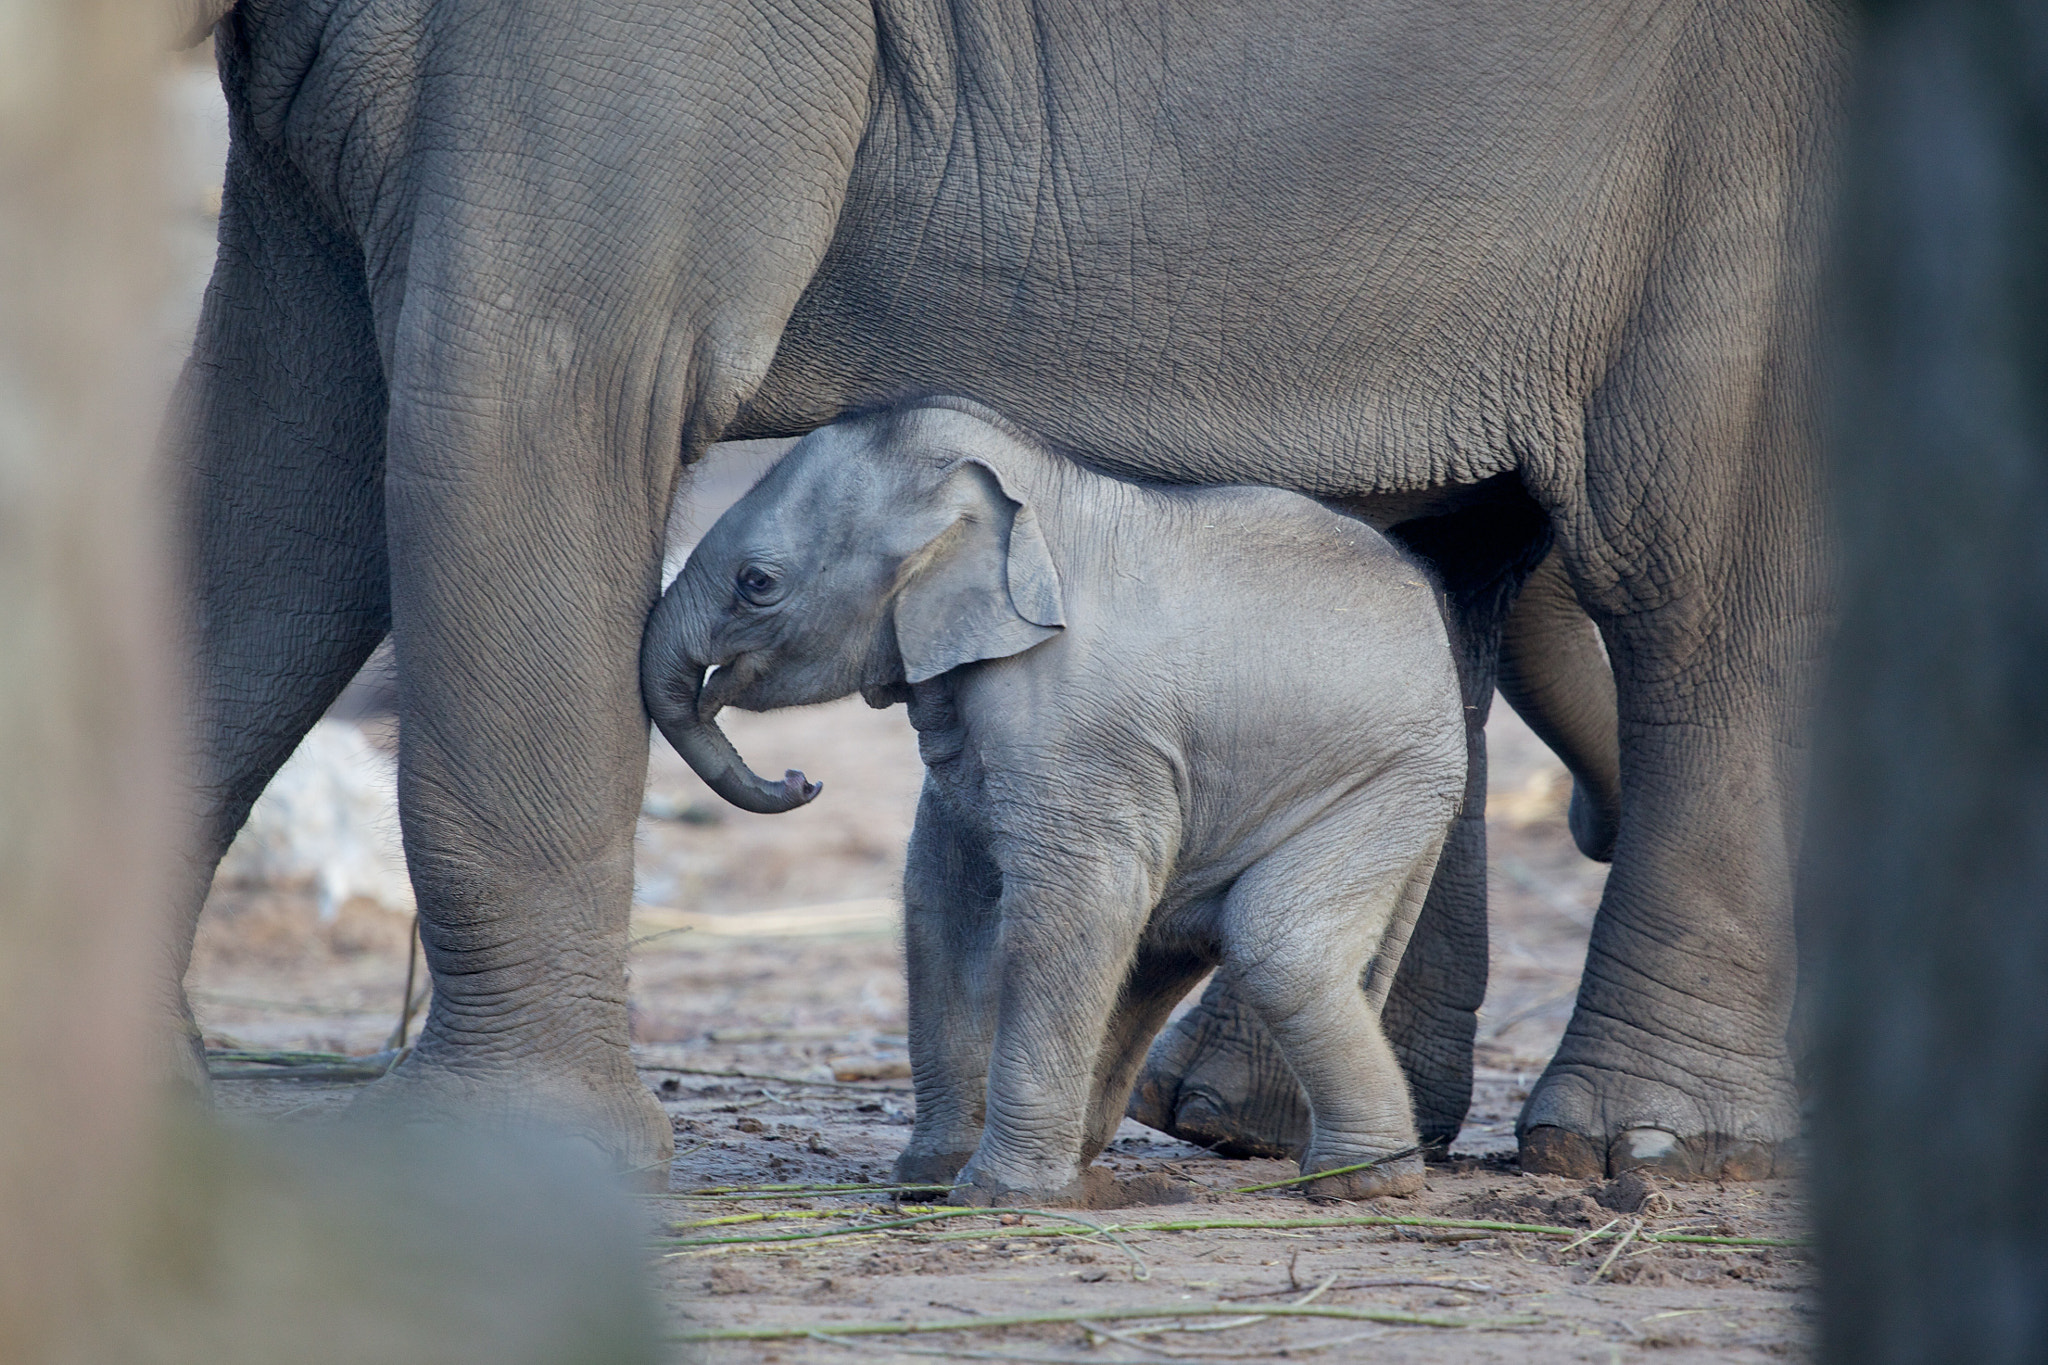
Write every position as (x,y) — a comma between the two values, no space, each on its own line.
(755,581)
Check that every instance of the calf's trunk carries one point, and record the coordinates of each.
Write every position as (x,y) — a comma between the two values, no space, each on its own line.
(672,682)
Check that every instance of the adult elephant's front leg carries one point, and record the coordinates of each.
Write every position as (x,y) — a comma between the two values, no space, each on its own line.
(522,572)
(589,280)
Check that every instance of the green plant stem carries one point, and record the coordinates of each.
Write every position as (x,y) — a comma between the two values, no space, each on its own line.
(1237,1224)
(1085,1315)
(1138,1268)
(710,1191)
(1383,1221)
(1324,1175)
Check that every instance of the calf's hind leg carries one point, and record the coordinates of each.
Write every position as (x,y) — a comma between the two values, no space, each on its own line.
(1215,1077)
(1303,929)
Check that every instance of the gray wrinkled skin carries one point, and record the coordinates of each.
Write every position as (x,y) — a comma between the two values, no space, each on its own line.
(1164,730)
(1506,278)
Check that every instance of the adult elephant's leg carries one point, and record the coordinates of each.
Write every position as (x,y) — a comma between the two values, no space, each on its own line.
(589,281)
(1676,1055)
(1216,1077)
(1554,672)
(520,581)
(1693,537)
(1482,556)
(276,443)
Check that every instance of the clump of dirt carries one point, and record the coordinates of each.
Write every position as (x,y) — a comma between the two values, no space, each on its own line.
(1146,1189)
(1576,1209)
(1536,1199)
(725,1279)
(1649,1272)
(1634,1191)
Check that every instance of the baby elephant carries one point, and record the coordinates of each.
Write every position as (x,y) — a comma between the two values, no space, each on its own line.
(1165,729)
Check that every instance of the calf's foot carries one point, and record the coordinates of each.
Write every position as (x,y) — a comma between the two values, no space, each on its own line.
(1400,1176)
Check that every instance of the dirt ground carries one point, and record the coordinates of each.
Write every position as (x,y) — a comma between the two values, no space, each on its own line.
(766,945)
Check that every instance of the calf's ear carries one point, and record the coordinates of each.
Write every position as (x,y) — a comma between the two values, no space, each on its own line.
(984,588)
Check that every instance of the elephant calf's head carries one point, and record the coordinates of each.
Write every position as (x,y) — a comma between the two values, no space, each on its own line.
(883,550)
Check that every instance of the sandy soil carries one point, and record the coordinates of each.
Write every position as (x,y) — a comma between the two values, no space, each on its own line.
(766,946)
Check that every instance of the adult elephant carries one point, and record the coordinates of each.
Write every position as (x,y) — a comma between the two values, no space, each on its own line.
(1503,276)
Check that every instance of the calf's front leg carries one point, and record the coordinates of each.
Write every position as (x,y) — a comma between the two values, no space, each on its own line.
(951,914)
(1070,930)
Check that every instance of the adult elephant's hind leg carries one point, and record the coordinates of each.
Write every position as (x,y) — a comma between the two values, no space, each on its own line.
(1216,1078)
(1554,672)
(1676,1055)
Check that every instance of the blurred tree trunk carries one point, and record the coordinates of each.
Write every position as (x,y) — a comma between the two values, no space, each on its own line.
(85,693)
(1927,877)
(132,1228)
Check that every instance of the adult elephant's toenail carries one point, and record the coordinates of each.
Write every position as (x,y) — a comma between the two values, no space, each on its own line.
(1645,1146)
(1549,1150)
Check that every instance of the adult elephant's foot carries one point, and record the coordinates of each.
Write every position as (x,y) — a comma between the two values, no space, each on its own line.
(596,1098)
(1735,1121)
(1216,1078)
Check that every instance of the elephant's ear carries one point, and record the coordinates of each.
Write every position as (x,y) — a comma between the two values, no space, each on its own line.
(984,588)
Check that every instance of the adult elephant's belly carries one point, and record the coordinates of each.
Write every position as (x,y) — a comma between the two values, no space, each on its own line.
(1323,276)
(1194,401)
